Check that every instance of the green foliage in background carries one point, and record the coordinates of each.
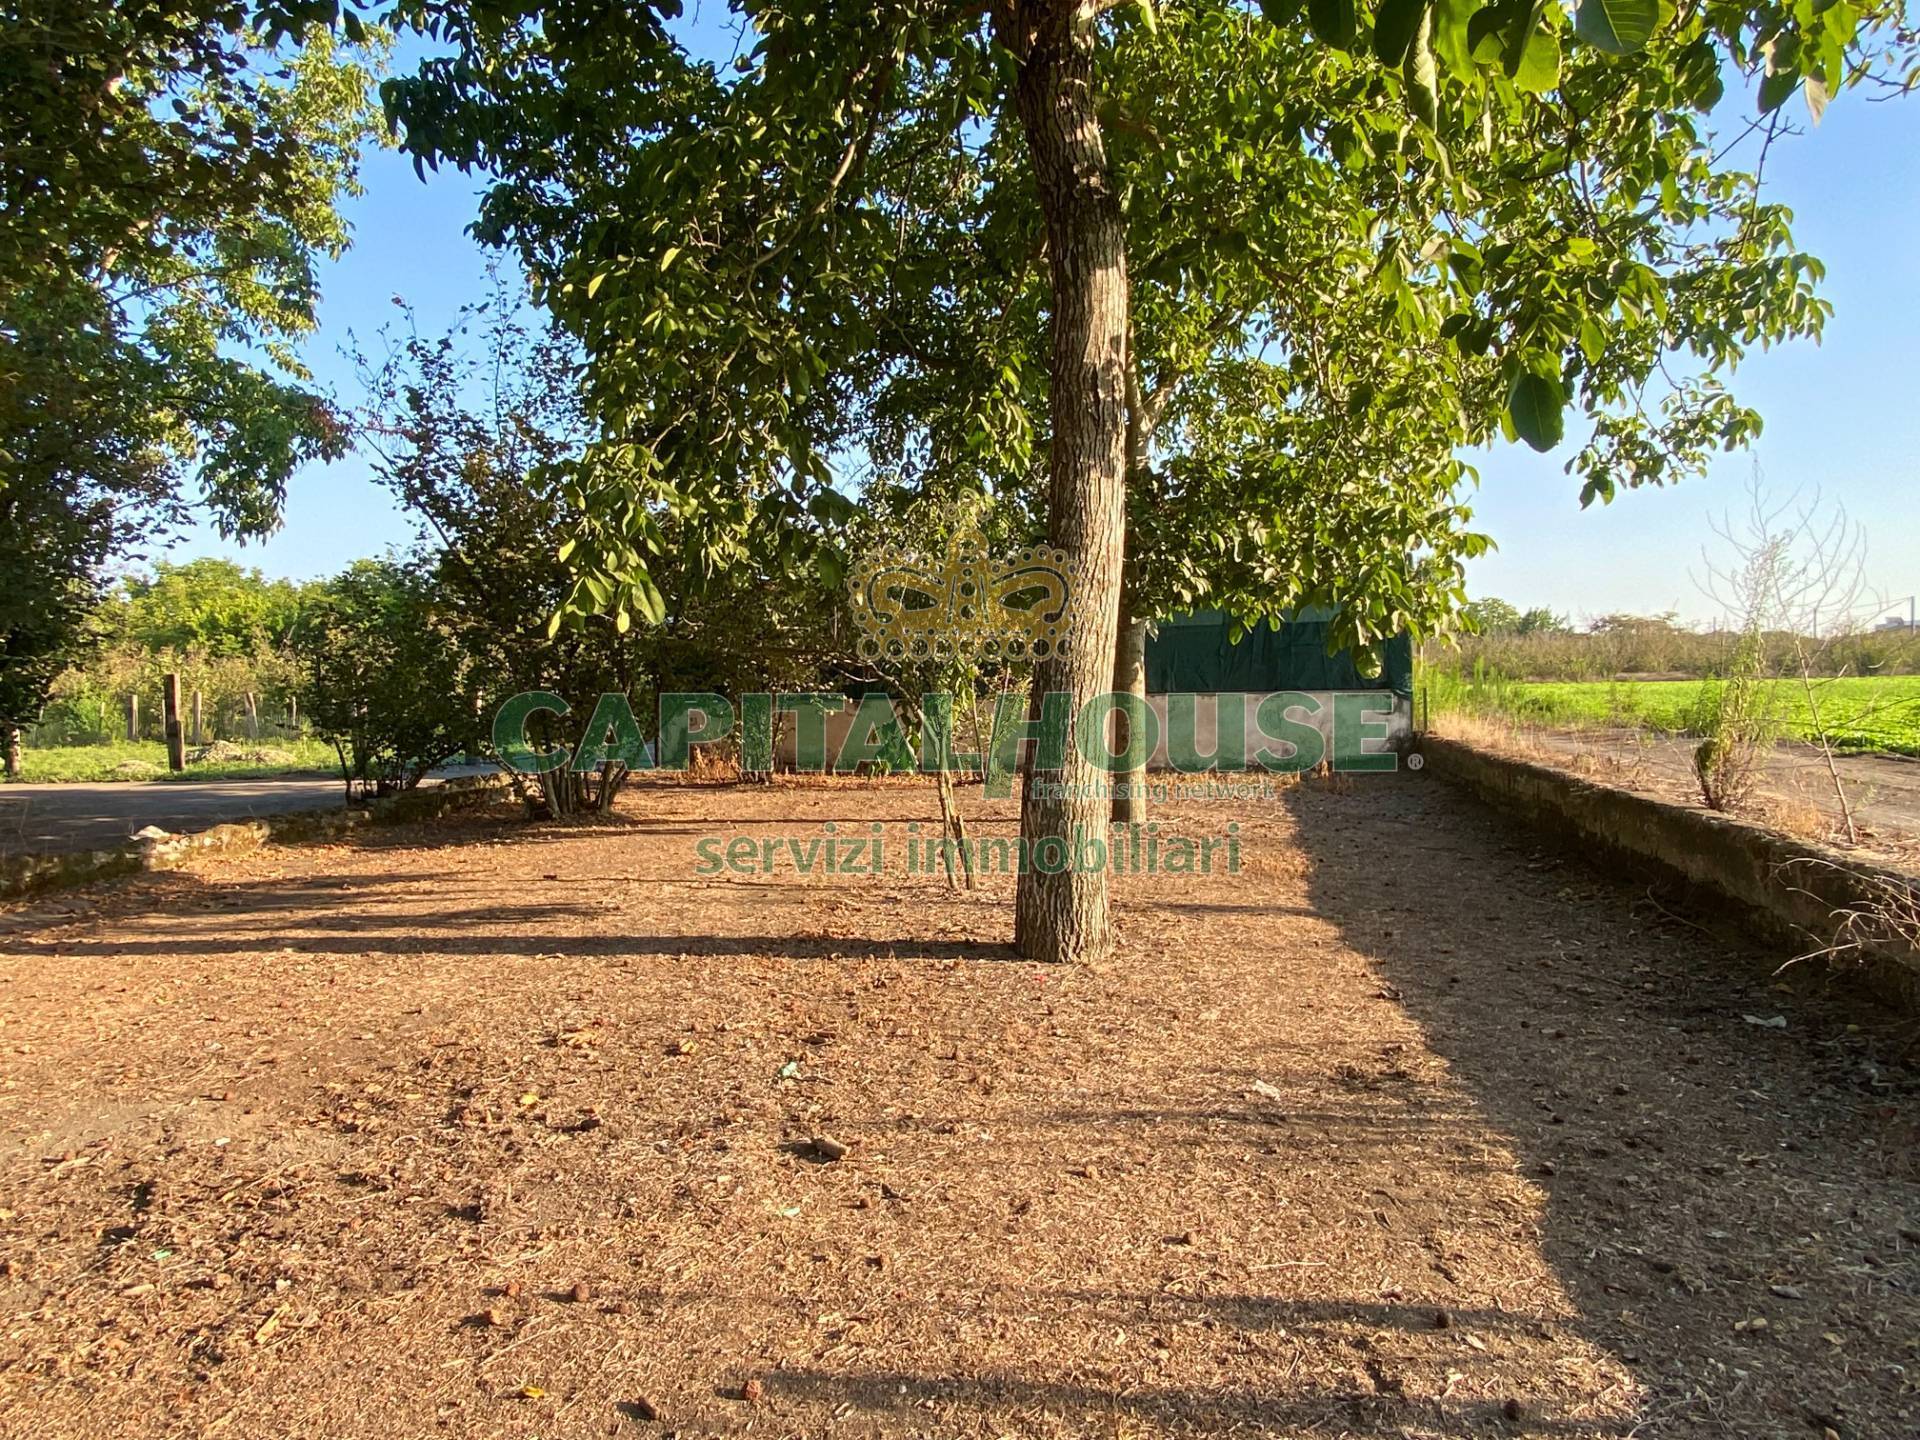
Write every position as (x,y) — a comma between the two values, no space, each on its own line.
(227,631)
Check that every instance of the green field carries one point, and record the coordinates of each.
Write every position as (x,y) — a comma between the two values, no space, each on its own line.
(147,760)
(1881,714)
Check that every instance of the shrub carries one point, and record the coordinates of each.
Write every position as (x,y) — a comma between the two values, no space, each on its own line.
(387,683)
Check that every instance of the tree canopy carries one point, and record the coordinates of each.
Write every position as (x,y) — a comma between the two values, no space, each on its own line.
(1288,264)
(169,182)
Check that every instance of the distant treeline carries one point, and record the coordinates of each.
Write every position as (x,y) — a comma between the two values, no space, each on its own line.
(1539,645)
(229,632)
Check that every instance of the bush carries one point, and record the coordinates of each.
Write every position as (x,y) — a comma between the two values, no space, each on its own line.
(387,683)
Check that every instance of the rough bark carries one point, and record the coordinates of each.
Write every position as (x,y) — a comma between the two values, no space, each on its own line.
(1063,916)
(15,758)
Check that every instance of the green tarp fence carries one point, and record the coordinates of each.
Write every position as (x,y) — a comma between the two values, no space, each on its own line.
(1192,653)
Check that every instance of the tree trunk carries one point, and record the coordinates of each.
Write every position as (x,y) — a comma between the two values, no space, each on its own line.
(1129,678)
(14,755)
(133,717)
(1063,916)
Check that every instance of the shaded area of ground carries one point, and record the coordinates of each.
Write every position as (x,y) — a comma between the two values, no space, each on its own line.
(1408,1129)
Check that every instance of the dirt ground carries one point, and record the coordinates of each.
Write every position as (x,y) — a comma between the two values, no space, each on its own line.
(1413,1127)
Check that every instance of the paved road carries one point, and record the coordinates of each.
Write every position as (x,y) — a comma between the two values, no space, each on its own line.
(54,818)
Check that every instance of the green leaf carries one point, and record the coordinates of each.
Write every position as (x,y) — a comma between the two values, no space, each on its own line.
(593,285)
(1279,12)
(1593,340)
(1537,406)
(1526,19)
(1452,20)
(1334,22)
(1421,75)
(1620,27)
(1486,23)
(653,605)
(1776,87)
(1393,28)
(667,257)
(1539,69)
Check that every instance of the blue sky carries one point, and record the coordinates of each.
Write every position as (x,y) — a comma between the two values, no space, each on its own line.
(1843,416)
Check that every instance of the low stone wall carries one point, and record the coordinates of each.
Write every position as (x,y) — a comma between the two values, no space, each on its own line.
(23,874)
(1789,892)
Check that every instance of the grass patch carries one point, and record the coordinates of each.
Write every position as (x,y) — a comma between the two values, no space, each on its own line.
(147,760)
(1876,714)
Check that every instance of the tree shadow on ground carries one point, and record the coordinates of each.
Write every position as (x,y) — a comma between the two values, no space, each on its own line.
(1726,1157)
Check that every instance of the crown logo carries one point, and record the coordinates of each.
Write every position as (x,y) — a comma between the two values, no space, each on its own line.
(965,604)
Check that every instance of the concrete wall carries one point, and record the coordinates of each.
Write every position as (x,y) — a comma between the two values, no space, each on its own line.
(1789,892)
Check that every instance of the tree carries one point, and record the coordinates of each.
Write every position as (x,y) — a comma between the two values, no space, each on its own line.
(1492,616)
(1542,621)
(168,183)
(1793,571)
(168,189)
(473,431)
(1487,221)
(216,608)
(387,683)
(48,591)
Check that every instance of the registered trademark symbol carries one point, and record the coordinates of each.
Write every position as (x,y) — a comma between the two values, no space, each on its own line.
(1416,761)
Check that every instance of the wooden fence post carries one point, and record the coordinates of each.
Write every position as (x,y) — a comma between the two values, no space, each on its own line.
(170,715)
(198,735)
(133,715)
(293,715)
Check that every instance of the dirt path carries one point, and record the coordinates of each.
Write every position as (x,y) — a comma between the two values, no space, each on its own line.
(1408,1129)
